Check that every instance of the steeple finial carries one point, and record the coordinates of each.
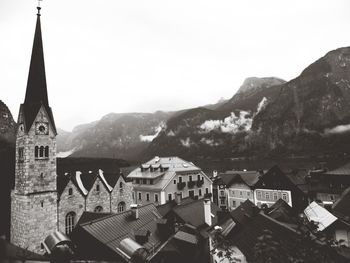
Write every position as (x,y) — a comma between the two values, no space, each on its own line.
(38,7)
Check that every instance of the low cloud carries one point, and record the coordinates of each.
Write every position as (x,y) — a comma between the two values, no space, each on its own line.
(231,124)
(337,129)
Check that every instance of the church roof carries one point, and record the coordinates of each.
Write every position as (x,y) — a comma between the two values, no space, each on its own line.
(36,93)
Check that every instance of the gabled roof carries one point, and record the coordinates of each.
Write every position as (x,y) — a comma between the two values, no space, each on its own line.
(247,236)
(321,216)
(36,92)
(162,169)
(244,212)
(85,180)
(193,212)
(91,216)
(111,230)
(343,170)
(230,177)
(282,212)
(341,207)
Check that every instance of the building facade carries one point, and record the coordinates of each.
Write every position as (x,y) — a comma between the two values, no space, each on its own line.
(160,179)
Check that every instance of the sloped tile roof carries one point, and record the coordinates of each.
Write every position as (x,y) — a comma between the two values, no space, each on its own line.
(247,177)
(193,212)
(112,229)
(343,170)
(341,207)
(244,212)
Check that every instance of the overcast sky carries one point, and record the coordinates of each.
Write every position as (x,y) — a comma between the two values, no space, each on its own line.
(141,56)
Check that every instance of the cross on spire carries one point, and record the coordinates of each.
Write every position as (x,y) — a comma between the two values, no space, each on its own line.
(38,7)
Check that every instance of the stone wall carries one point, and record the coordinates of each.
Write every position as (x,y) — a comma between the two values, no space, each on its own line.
(123,194)
(98,198)
(70,203)
(33,218)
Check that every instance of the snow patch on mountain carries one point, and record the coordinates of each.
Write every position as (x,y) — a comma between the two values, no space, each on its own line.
(186,142)
(262,104)
(149,138)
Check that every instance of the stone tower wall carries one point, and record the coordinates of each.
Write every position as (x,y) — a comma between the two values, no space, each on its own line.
(33,218)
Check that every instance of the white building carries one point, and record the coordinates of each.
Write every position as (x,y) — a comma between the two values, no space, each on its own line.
(158,180)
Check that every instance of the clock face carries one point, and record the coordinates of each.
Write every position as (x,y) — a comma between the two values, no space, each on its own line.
(42,128)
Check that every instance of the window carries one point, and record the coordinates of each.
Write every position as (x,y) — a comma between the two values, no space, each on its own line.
(275,197)
(284,196)
(20,153)
(121,207)
(222,192)
(137,181)
(98,188)
(147,197)
(70,222)
(150,181)
(98,209)
(240,193)
(233,203)
(267,195)
(191,193)
(121,185)
(207,190)
(180,179)
(259,194)
(155,197)
(169,197)
(248,194)
(70,191)
(41,151)
(198,177)
(140,197)
(42,203)
(36,151)
(200,192)
(174,181)
(47,152)
(222,201)
(190,177)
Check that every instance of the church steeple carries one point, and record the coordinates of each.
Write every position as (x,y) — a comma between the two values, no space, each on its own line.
(36,92)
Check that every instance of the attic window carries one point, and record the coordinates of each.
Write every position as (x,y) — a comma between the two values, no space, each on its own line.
(98,188)
(121,185)
(70,191)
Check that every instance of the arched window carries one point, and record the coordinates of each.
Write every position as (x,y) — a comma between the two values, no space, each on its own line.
(41,151)
(98,209)
(47,151)
(121,207)
(70,222)
(36,151)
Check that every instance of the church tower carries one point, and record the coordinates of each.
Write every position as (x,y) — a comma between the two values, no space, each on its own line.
(34,197)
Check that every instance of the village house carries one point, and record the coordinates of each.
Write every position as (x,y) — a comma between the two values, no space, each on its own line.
(158,180)
(327,186)
(232,188)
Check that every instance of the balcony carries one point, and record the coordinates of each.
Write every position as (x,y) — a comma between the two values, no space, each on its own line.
(181,185)
(191,184)
(200,182)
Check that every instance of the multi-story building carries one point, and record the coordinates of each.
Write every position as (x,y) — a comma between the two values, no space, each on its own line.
(232,188)
(158,180)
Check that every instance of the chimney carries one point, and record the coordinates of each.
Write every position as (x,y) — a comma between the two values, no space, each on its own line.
(134,211)
(178,198)
(215,173)
(207,211)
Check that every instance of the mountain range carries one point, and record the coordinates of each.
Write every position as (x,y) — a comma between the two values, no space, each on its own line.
(266,117)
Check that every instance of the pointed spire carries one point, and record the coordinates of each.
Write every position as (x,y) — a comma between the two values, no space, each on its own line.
(36,93)
(36,85)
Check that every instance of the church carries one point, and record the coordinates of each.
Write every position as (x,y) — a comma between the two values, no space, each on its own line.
(43,201)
